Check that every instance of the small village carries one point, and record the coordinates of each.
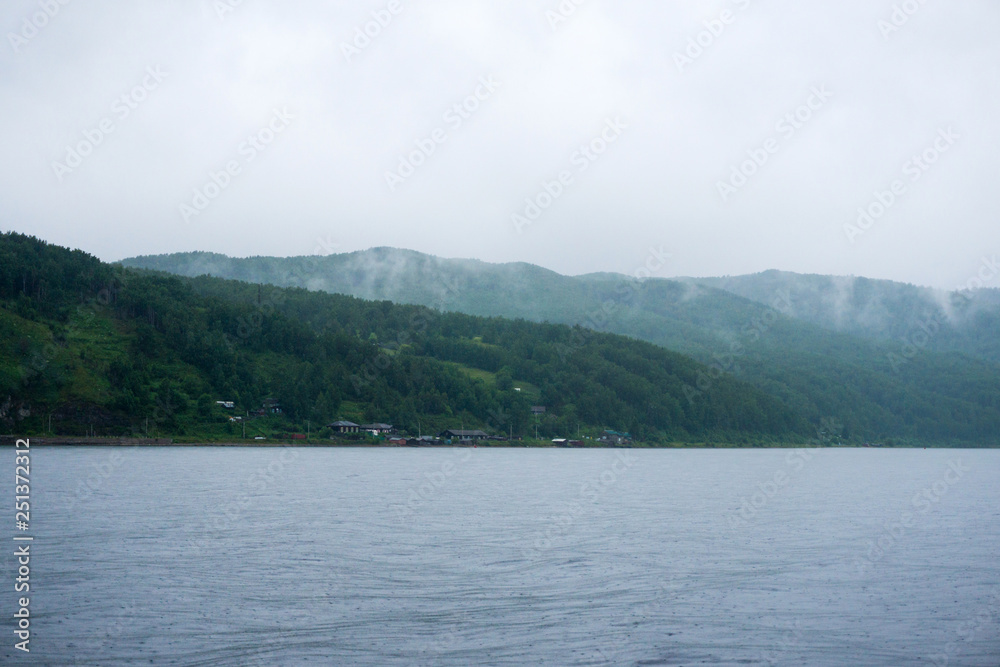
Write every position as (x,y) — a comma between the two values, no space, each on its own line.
(466,437)
(379,433)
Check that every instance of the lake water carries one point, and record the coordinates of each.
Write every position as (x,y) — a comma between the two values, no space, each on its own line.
(281,556)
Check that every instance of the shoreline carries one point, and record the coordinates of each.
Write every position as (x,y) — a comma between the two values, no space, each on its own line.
(69,441)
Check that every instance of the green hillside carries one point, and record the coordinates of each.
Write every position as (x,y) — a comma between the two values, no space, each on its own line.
(103,349)
(966,320)
(772,337)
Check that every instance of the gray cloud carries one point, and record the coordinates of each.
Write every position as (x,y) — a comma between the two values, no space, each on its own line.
(323,176)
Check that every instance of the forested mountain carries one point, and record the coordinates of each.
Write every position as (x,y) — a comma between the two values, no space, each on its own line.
(775,336)
(106,349)
(965,320)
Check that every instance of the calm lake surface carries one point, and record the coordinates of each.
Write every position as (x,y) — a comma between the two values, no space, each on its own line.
(285,556)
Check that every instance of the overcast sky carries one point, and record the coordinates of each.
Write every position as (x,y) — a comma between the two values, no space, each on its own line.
(318,124)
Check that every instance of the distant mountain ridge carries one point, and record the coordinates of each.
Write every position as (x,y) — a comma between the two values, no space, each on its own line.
(861,359)
(966,321)
(874,309)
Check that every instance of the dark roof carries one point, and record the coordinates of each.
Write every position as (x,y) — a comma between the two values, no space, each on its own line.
(462,433)
(377,427)
(343,423)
